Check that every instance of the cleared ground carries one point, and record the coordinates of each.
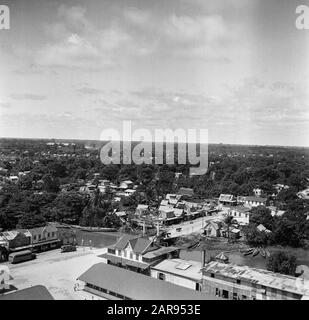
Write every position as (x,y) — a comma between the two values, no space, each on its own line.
(57,271)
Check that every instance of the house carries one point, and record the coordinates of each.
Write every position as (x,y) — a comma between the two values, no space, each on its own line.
(241,214)
(17,239)
(114,283)
(303,194)
(186,192)
(275,211)
(279,187)
(44,238)
(227,200)
(173,199)
(235,282)
(212,229)
(251,201)
(141,209)
(127,184)
(185,273)
(137,253)
(168,215)
(129,192)
(66,234)
(261,228)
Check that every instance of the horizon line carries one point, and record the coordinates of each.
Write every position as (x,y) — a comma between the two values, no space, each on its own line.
(210,143)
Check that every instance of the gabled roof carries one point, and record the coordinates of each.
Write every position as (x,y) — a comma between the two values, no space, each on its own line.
(137,286)
(226,197)
(213,224)
(139,245)
(240,209)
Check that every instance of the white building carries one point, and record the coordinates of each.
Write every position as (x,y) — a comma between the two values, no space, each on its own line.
(241,214)
(185,273)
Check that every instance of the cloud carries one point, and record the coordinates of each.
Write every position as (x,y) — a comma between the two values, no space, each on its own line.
(89,90)
(137,16)
(28,96)
(5,105)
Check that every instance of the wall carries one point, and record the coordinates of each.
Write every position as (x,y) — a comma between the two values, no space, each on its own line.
(175,279)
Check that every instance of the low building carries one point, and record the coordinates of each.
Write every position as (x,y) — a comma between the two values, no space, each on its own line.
(44,238)
(185,273)
(119,284)
(303,194)
(241,214)
(244,283)
(168,216)
(227,199)
(275,212)
(137,253)
(141,209)
(212,229)
(251,201)
(17,239)
(37,292)
(186,192)
(261,228)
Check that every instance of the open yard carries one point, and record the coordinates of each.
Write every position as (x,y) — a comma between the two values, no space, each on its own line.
(57,271)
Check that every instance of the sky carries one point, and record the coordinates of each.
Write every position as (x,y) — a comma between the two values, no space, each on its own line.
(237,68)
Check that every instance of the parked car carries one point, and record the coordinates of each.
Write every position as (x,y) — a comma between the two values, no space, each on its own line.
(68,248)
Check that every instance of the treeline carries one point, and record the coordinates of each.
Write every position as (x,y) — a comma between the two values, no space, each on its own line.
(289,229)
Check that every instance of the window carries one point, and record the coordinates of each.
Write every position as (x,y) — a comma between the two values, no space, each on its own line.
(137,256)
(225,294)
(39,237)
(198,286)
(244,297)
(53,234)
(238,281)
(235,296)
(161,276)
(131,255)
(119,252)
(34,237)
(212,275)
(217,292)
(48,235)
(125,253)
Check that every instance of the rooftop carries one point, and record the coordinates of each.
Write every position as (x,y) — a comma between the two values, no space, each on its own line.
(33,293)
(159,252)
(185,268)
(137,286)
(260,276)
